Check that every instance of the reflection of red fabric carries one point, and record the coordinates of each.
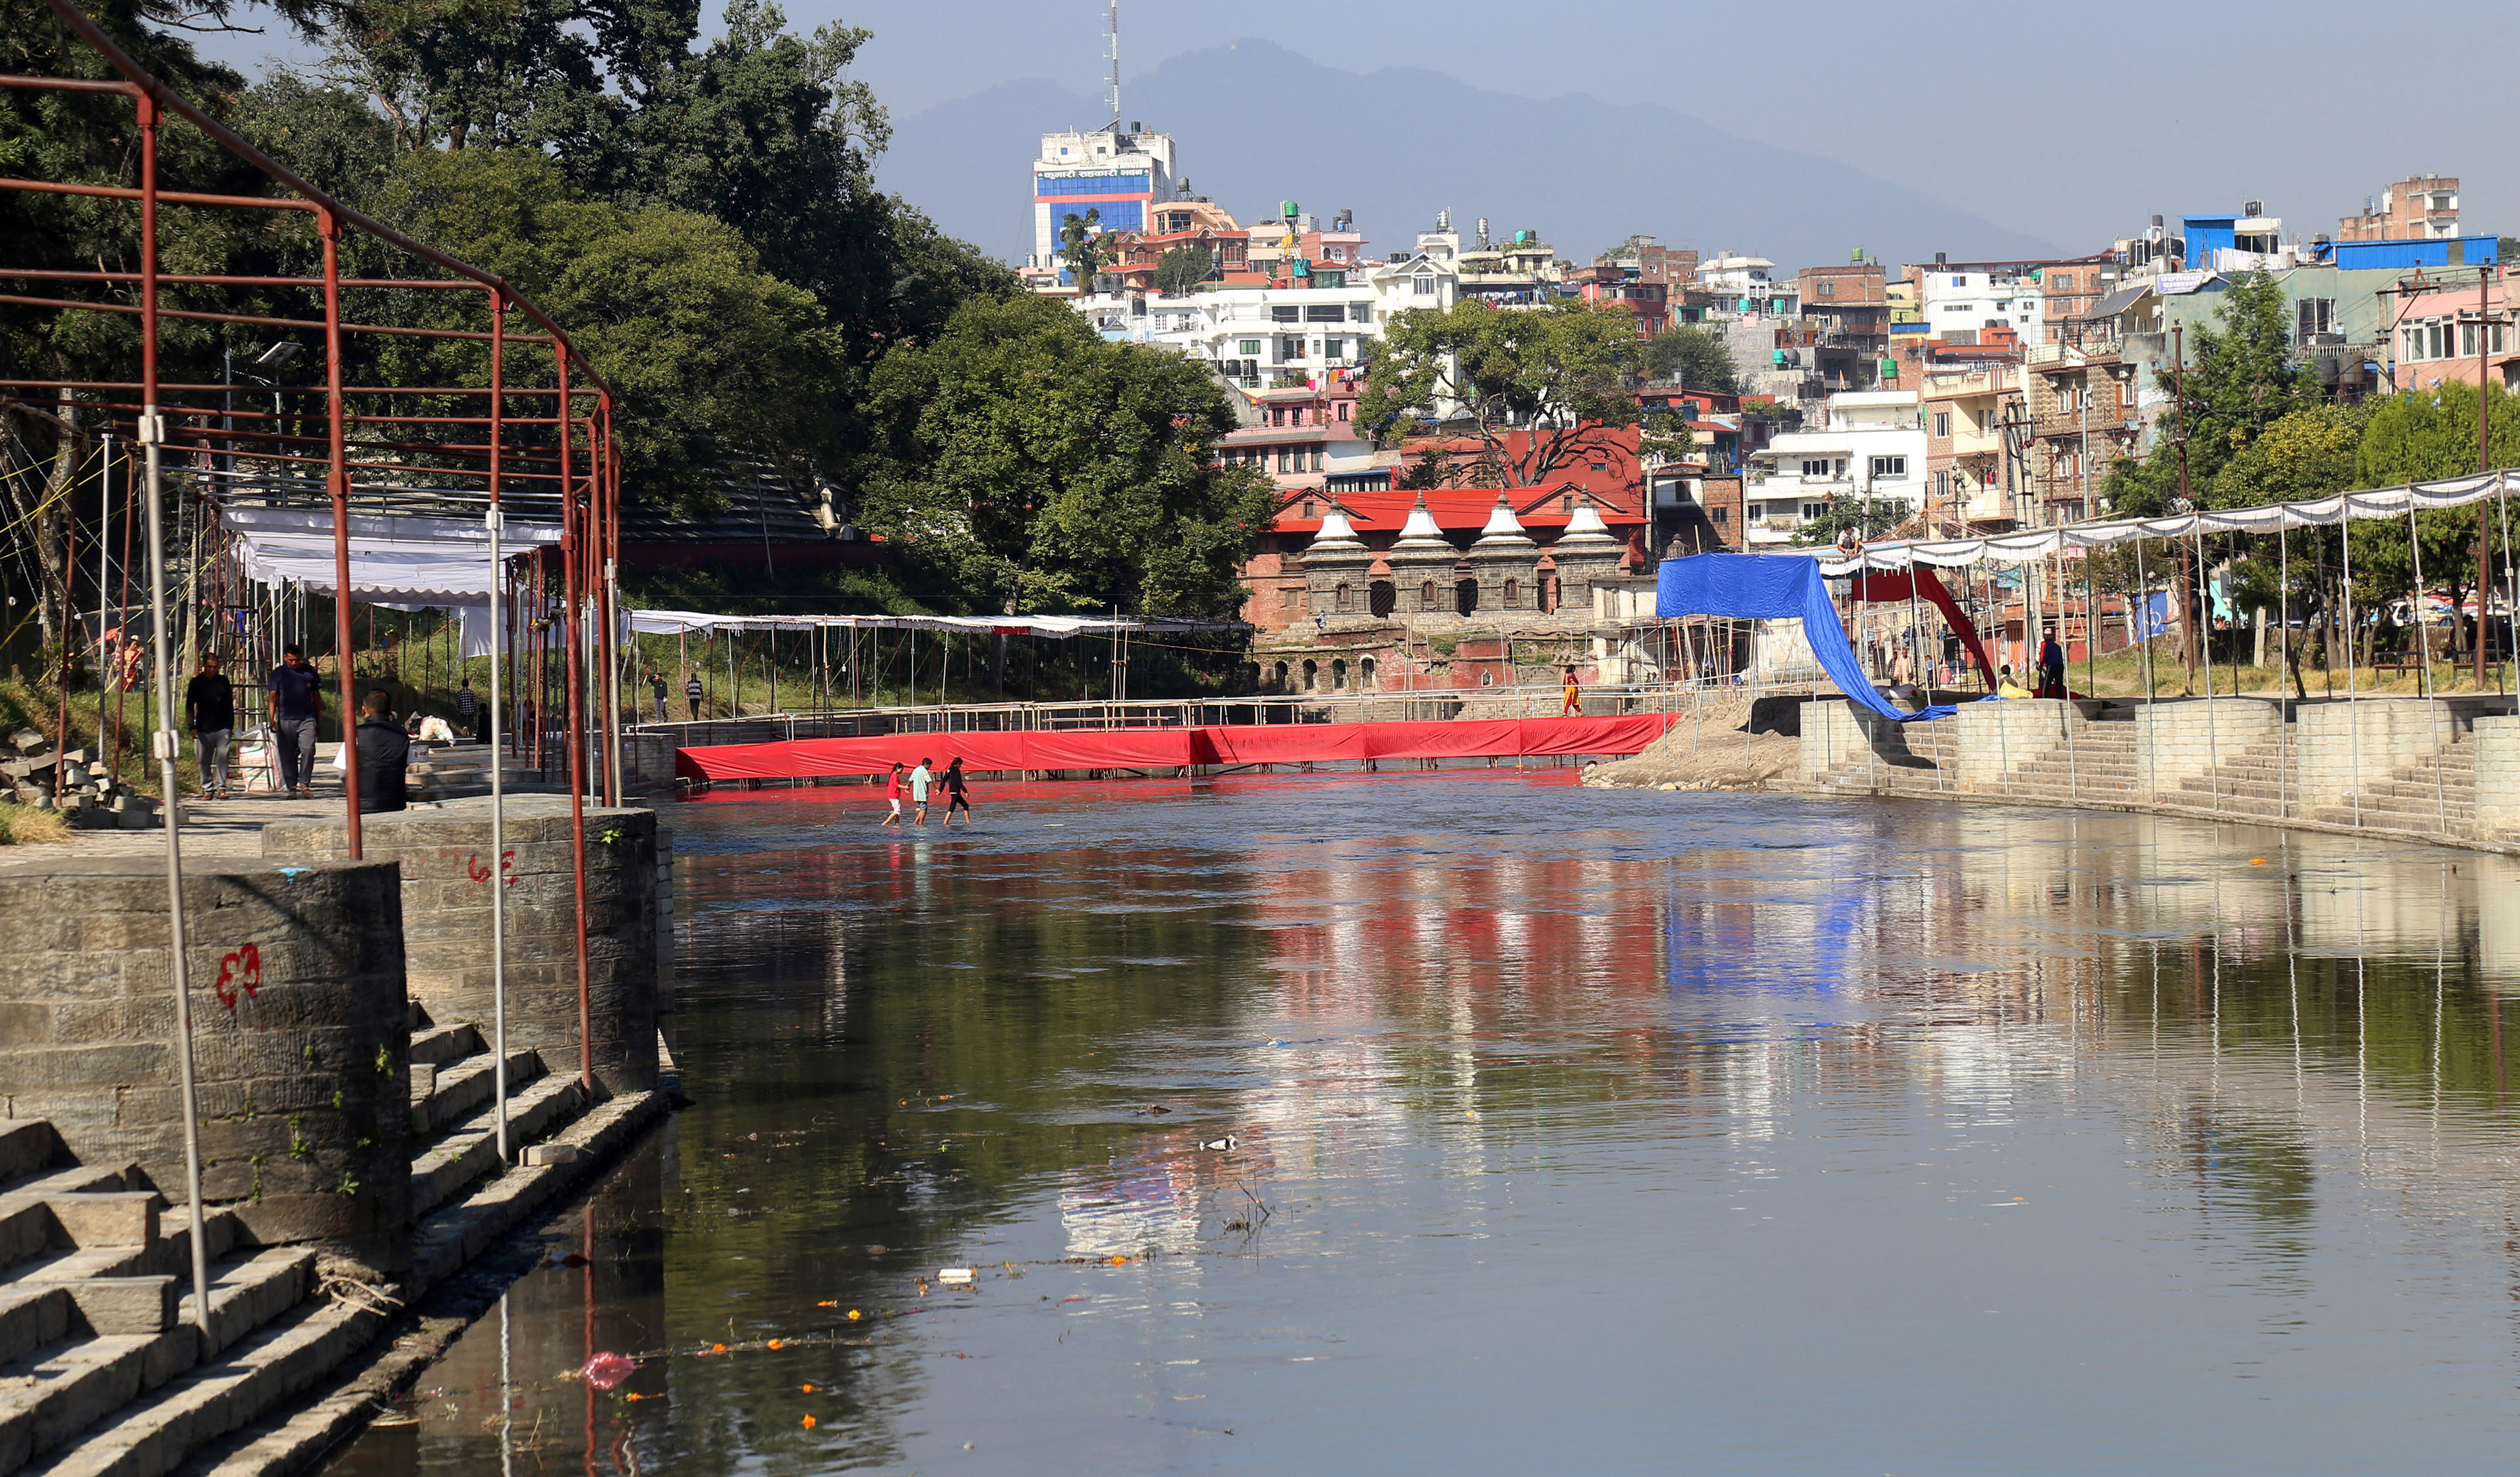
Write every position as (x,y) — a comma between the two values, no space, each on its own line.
(1883,587)
(1164,748)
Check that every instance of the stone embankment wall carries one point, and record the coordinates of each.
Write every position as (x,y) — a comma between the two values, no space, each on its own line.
(2343,747)
(448,869)
(301,1037)
(2177,741)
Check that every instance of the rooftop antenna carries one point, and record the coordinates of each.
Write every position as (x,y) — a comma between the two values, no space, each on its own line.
(1111,53)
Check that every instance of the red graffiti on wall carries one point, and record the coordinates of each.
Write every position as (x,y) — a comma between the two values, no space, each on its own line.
(241,969)
(474,869)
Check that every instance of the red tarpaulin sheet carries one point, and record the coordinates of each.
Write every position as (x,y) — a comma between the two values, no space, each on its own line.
(1890,586)
(1167,748)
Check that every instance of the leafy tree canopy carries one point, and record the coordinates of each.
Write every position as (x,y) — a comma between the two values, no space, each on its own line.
(1558,372)
(1040,468)
(2239,381)
(1182,269)
(1698,358)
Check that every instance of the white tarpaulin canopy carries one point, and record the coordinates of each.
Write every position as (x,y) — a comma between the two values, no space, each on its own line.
(394,559)
(2038,543)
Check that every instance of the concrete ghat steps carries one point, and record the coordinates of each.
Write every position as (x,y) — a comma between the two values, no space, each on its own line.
(471,1149)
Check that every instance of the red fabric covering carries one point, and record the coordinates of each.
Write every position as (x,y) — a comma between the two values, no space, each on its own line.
(1165,748)
(1891,586)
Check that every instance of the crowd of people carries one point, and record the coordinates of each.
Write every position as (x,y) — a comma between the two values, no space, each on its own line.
(296,694)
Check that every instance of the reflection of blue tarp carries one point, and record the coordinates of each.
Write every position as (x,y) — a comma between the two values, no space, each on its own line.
(1775,587)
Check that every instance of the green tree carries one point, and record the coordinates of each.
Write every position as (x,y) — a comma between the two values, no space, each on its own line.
(2425,436)
(1081,246)
(1043,470)
(716,362)
(1695,357)
(2239,381)
(1558,373)
(1179,270)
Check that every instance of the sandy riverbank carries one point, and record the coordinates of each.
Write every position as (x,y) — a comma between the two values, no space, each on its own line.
(1705,750)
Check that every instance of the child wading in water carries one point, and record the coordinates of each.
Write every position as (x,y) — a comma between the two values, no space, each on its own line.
(955,796)
(892,795)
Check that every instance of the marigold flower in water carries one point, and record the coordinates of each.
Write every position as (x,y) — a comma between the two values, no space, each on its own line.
(854,1315)
(809,1422)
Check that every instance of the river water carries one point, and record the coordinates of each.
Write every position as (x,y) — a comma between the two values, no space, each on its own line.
(1477,1122)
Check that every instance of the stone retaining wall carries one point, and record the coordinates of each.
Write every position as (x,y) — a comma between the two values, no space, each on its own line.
(446,878)
(2498,775)
(2339,746)
(299,1028)
(1995,739)
(2180,741)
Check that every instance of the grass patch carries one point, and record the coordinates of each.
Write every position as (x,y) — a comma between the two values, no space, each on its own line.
(23,825)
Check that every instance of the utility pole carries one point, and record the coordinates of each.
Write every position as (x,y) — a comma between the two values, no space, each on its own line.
(2484,459)
(2178,392)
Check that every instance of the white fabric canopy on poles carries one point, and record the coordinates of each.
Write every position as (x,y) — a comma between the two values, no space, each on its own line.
(2033,544)
(394,559)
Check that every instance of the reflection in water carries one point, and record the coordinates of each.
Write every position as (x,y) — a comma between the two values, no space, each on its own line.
(1479,1119)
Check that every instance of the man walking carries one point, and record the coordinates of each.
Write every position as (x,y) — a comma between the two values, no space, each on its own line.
(297,699)
(384,756)
(2052,668)
(210,711)
(956,794)
(692,693)
(919,779)
(468,711)
(657,680)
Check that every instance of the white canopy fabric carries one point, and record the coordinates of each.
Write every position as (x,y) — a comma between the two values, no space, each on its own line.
(2038,543)
(394,559)
(670,622)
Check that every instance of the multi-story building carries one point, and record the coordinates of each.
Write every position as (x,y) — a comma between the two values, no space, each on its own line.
(2070,288)
(1848,309)
(1620,285)
(1976,443)
(1870,451)
(2082,411)
(2416,208)
(1746,287)
(1294,249)
(2448,331)
(1118,174)
(1673,267)
(1182,222)
(1959,301)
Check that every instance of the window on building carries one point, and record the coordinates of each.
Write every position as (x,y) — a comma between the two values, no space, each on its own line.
(1290,346)
(1815,468)
(1344,407)
(1423,284)
(1344,597)
(1316,459)
(1824,288)
(1942,484)
(1889,467)
(1249,347)
(1287,598)
(1943,423)
(1338,676)
(1286,314)
(1284,460)
(1719,515)
(1324,312)
(1426,595)
(1513,595)
(1815,510)
(1335,349)
(1308,510)
(1357,312)
(2314,315)
(1840,466)
(1959,282)
(1566,504)
(1312,674)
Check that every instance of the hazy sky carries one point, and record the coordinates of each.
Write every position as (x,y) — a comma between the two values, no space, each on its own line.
(2051,119)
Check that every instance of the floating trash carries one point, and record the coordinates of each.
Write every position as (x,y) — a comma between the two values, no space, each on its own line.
(1227,1143)
(955,1276)
(607,1370)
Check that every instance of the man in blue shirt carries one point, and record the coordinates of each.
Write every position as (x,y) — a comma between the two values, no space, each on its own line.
(297,698)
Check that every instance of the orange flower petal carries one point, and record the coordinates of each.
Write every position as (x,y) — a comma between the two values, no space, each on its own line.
(809,1422)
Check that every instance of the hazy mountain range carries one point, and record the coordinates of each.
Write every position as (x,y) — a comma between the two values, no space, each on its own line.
(1254,123)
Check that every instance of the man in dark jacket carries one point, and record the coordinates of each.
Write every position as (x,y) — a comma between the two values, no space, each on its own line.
(2051,669)
(384,752)
(210,711)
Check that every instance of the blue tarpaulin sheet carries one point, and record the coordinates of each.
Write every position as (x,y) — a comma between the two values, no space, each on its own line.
(1775,587)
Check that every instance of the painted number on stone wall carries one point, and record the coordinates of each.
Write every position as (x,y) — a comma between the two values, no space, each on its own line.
(241,970)
(474,869)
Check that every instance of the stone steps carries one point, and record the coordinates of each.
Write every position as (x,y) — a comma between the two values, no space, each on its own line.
(470,1149)
(448,1094)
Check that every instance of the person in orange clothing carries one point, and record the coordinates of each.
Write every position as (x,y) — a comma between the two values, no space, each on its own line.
(1574,707)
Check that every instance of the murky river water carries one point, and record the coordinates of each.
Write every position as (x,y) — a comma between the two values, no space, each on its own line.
(1485,1124)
